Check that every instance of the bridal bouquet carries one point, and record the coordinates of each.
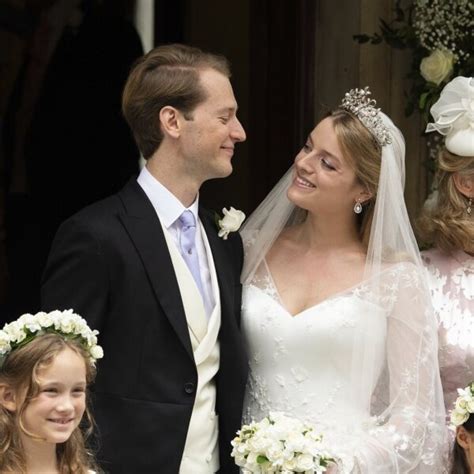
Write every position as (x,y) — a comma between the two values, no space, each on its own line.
(279,444)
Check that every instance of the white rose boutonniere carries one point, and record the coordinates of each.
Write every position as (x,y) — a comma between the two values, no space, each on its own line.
(437,66)
(231,222)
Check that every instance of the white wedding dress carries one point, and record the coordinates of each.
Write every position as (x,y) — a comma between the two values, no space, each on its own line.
(309,366)
(362,365)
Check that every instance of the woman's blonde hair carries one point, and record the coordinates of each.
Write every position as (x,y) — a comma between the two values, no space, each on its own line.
(448,226)
(20,373)
(364,154)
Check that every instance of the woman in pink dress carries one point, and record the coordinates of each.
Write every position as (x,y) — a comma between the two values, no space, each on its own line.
(448,225)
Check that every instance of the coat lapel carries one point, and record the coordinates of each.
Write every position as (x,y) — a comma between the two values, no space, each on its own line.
(143,227)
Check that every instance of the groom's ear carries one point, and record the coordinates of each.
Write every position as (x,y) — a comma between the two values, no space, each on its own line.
(170,121)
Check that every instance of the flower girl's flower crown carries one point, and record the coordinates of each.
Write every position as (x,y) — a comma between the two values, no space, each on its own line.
(463,406)
(358,103)
(65,323)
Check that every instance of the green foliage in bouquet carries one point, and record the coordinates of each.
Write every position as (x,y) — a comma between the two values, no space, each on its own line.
(440,34)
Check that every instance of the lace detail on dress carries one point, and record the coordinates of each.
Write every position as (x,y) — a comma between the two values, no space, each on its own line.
(263,280)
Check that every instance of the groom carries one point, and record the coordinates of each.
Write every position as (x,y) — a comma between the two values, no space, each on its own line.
(147,268)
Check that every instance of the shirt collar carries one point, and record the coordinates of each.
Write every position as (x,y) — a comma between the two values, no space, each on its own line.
(166,204)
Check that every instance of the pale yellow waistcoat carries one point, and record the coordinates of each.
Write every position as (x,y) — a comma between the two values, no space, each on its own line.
(201,451)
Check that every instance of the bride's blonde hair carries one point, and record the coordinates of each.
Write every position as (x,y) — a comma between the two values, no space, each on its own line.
(448,226)
(364,154)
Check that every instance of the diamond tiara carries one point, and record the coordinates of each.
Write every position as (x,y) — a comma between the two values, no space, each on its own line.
(358,102)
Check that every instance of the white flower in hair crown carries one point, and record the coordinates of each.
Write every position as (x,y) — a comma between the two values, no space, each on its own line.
(65,323)
(231,222)
(359,103)
(463,406)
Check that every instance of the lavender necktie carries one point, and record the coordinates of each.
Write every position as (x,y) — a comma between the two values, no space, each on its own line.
(187,246)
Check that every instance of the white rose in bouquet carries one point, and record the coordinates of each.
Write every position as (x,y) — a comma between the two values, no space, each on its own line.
(280,444)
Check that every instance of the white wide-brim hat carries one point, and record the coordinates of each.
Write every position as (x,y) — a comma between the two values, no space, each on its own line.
(454,116)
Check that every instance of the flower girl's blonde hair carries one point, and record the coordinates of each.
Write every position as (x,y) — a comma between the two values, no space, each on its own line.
(20,373)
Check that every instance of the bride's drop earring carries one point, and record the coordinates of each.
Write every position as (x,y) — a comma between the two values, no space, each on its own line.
(358,207)
(469,206)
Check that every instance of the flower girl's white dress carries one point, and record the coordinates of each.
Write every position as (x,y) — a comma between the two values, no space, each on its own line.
(359,368)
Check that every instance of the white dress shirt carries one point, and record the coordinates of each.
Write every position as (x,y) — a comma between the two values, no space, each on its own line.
(168,208)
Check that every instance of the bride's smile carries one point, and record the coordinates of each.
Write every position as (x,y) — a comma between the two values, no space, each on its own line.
(324,180)
(301,182)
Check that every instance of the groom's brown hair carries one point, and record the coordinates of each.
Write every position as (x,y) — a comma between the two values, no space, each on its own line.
(166,76)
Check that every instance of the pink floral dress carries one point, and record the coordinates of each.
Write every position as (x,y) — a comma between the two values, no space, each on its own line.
(451,278)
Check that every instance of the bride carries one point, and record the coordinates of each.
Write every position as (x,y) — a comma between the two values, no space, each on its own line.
(336,314)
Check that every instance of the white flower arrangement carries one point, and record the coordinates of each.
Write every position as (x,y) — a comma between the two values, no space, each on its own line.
(440,35)
(65,323)
(444,26)
(463,406)
(280,444)
(231,222)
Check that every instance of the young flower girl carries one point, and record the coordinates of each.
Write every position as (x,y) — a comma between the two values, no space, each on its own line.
(462,418)
(46,362)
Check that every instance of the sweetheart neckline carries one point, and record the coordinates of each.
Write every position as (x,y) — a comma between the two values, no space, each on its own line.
(322,302)
(334,297)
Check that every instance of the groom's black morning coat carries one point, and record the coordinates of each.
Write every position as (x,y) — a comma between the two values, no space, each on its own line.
(110,263)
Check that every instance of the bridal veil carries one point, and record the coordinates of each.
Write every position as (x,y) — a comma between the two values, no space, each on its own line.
(397,379)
